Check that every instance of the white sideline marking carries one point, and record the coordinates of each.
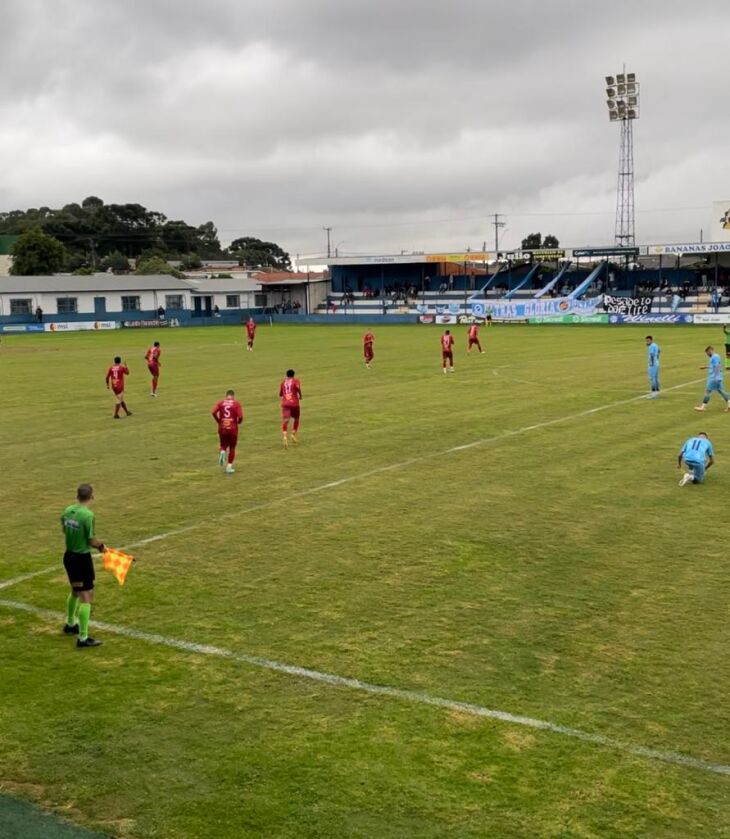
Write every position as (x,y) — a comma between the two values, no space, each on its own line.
(362,475)
(405,695)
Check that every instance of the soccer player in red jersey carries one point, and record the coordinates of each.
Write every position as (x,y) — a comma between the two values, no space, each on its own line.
(115,376)
(152,357)
(290,392)
(250,333)
(367,346)
(228,413)
(474,338)
(447,351)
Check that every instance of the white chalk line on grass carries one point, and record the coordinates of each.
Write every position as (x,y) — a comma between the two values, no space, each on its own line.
(405,695)
(402,464)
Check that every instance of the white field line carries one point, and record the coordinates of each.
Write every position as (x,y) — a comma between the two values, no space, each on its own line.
(402,464)
(412,696)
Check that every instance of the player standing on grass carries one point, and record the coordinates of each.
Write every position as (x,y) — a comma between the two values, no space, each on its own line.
(290,392)
(698,455)
(447,351)
(726,332)
(714,380)
(250,333)
(77,522)
(653,351)
(228,413)
(367,347)
(115,376)
(474,338)
(152,357)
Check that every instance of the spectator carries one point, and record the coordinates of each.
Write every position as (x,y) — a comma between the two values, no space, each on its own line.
(715,300)
(39,315)
(216,311)
(161,313)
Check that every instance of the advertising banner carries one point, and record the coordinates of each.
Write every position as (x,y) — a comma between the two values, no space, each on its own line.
(534,308)
(673,318)
(627,305)
(22,327)
(601,252)
(711,317)
(139,324)
(546,254)
(446,319)
(468,320)
(571,319)
(690,248)
(80,326)
(426,319)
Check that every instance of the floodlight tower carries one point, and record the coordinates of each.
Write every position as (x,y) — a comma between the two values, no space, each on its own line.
(623,106)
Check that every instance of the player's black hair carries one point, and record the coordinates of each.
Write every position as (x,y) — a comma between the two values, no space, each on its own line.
(85,492)
(702,434)
(290,374)
(156,344)
(709,348)
(117,359)
(230,393)
(448,332)
(649,338)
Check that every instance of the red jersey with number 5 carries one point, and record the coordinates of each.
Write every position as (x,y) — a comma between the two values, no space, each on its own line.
(290,393)
(447,342)
(115,374)
(228,413)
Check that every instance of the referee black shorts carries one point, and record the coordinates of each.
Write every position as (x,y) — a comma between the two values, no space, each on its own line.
(80,570)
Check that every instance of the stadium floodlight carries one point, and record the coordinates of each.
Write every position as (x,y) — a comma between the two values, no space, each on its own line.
(622,91)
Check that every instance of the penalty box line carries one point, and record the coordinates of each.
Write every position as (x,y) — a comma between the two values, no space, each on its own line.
(402,694)
(402,464)
(380,470)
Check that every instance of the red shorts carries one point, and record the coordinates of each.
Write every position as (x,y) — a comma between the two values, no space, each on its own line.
(473,341)
(228,439)
(118,391)
(251,336)
(290,412)
(369,354)
(447,356)
(154,369)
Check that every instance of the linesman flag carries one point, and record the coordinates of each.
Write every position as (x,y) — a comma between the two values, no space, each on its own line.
(118,563)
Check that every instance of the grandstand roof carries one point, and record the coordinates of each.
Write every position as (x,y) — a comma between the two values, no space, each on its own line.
(93,283)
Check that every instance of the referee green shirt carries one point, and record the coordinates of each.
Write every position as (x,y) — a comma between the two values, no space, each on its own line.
(78,526)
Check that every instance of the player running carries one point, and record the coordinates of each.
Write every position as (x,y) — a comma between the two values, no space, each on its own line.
(250,333)
(77,523)
(698,455)
(228,413)
(474,339)
(115,376)
(653,351)
(447,351)
(714,380)
(152,357)
(367,347)
(290,392)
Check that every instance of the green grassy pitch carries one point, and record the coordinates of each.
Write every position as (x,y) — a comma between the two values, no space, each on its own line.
(555,571)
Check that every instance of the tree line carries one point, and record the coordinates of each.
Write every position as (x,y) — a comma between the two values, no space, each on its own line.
(94,236)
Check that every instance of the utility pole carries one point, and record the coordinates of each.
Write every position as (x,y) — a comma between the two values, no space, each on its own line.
(328,230)
(497,224)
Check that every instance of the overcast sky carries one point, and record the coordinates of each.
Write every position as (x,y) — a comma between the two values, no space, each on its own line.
(400,124)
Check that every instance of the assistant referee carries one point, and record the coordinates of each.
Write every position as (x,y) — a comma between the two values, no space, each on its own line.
(77,521)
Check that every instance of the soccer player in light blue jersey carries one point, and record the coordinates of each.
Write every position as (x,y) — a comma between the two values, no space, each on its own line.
(714,379)
(653,351)
(698,455)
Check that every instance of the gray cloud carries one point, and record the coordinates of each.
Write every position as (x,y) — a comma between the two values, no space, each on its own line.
(379,119)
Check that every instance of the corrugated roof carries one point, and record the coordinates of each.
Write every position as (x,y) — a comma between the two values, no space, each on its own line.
(97,283)
(222,285)
(289,277)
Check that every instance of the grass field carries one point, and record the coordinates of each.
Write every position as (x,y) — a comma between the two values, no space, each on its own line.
(553,570)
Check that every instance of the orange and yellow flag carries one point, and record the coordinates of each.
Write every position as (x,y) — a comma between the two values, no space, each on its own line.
(118,563)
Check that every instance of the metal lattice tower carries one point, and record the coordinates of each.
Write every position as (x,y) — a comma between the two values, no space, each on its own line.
(623,107)
(625,212)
